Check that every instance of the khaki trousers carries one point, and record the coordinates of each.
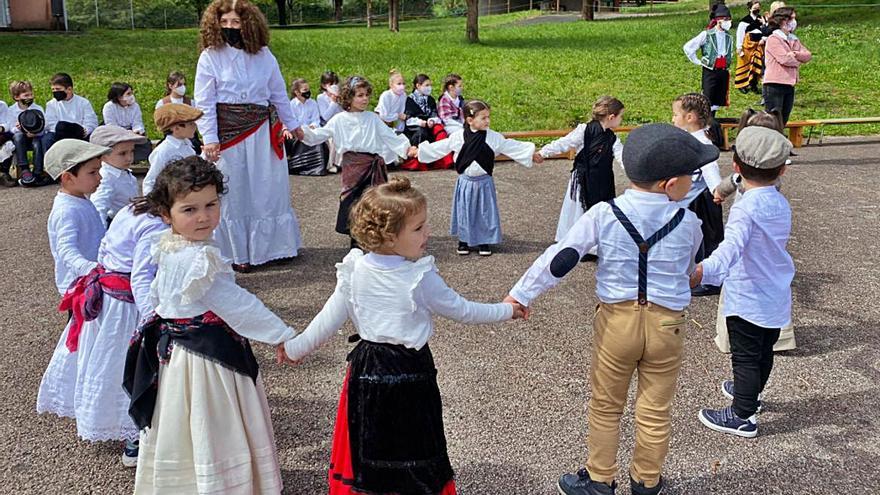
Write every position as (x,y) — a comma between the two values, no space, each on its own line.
(786,340)
(627,338)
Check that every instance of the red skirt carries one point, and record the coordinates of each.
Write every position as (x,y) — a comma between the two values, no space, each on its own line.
(341,475)
(447,162)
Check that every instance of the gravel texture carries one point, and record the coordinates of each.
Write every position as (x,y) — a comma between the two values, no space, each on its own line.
(515,394)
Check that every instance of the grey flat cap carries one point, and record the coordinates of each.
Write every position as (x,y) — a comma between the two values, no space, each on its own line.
(111,135)
(660,151)
(761,147)
(68,153)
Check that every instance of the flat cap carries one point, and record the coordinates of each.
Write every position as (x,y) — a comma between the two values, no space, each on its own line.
(111,135)
(762,147)
(68,153)
(170,114)
(660,151)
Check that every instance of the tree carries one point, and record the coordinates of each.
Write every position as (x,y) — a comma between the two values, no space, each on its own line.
(282,11)
(199,5)
(394,16)
(587,10)
(337,7)
(473,18)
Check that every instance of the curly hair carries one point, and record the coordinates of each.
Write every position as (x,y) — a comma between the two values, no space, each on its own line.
(349,89)
(382,212)
(605,106)
(697,104)
(179,178)
(254,27)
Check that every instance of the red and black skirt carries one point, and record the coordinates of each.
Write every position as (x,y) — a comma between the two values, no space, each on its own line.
(389,436)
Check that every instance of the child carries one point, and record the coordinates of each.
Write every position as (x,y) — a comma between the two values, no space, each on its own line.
(753,255)
(303,159)
(175,90)
(450,109)
(75,231)
(23,94)
(691,113)
(328,106)
(68,115)
(200,400)
(389,434)
(643,291)
(392,103)
(118,184)
(123,110)
(750,50)
(592,173)
(423,124)
(365,143)
(716,46)
(178,122)
(7,148)
(475,218)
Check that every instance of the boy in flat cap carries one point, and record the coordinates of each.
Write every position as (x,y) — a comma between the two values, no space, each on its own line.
(178,122)
(118,184)
(757,271)
(646,247)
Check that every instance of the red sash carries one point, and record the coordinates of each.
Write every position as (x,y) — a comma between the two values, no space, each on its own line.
(85,296)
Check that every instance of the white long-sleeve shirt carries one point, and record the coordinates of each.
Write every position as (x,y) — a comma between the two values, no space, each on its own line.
(691,47)
(390,107)
(117,188)
(230,75)
(129,117)
(77,110)
(390,300)
(306,113)
(752,261)
(126,249)
(711,174)
(75,231)
(192,279)
(168,150)
(13,113)
(519,151)
(359,131)
(327,108)
(574,140)
(669,261)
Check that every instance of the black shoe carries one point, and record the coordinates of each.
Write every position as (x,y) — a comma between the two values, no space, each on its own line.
(705,290)
(43,179)
(640,489)
(485,250)
(463,248)
(792,153)
(581,484)
(6,180)
(589,258)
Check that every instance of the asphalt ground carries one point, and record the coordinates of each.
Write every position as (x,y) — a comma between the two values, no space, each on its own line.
(515,394)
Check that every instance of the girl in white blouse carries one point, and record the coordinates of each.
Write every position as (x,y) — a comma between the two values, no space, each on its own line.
(199,400)
(475,218)
(389,434)
(123,110)
(392,103)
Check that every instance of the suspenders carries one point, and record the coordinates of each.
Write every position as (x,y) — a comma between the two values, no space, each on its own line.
(644,245)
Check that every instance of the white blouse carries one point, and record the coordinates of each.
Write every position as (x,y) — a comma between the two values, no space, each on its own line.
(129,117)
(230,75)
(519,151)
(75,231)
(391,300)
(170,149)
(361,132)
(305,113)
(327,107)
(574,140)
(390,107)
(193,278)
(711,174)
(117,188)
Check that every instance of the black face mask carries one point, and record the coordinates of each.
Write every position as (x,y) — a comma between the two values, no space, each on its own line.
(59,95)
(27,102)
(306,94)
(232,36)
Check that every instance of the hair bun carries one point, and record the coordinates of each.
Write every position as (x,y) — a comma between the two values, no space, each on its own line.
(398,184)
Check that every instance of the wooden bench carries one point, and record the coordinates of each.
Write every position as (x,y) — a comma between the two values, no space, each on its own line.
(821,123)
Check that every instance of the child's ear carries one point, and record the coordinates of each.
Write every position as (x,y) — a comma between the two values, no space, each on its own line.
(782,170)
(738,170)
(166,217)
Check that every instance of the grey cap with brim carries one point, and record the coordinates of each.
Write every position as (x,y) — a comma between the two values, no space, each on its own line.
(110,135)
(761,147)
(655,152)
(68,153)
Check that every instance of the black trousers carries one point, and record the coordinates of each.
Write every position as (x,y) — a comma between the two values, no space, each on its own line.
(751,353)
(712,218)
(781,97)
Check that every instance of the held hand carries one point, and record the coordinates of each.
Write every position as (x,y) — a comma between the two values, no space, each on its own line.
(412,152)
(518,308)
(401,116)
(211,152)
(423,123)
(431,123)
(697,276)
(298,133)
(286,134)
(717,198)
(280,354)
(537,158)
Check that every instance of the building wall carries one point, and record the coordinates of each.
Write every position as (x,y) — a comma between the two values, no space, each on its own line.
(31,14)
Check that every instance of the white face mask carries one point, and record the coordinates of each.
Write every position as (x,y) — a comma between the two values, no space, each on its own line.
(128,100)
(398,89)
(725,25)
(180,90)
(333,89)
(792,25)
(426,90)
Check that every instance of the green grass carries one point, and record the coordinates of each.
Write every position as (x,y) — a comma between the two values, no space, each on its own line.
(679,6)
(542,76)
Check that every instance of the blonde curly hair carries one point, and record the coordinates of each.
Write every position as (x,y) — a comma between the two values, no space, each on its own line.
(254,27)
(382,212)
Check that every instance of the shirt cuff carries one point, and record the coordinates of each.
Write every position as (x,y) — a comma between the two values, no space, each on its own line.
(710,273)
(521,297)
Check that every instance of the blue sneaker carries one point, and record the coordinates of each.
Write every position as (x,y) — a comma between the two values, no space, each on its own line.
(130,454)
(726,421)
(727,390)
(581,484)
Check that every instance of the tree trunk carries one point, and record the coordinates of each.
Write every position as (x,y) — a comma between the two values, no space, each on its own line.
(587,10)
(616,5)
(337,7)
(369,14)
(473,21)
(394,16)
(282,12)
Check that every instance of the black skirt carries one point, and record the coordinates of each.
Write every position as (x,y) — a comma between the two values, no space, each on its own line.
(716,86)
(303,159)
(395,420)
(713,224)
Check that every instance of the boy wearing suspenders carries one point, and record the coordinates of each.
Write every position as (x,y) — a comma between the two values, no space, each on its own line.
(646,248)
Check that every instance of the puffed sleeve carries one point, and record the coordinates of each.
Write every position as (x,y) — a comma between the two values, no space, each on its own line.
(398,143)
(519,151)
(206,98)
(431,152)
(143,268)
(432,292)
(574,140)
(318,135)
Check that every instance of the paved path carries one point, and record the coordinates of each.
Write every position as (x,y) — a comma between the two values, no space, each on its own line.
(515,395)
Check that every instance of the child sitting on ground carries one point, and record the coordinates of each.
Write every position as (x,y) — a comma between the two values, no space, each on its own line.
(303,159)
(392,103)
(450,108)
(118,185)
(123,110)
(24,140)
(68,115)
